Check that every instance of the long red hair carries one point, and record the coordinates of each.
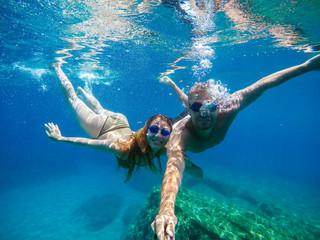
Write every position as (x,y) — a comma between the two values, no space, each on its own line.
(137,149)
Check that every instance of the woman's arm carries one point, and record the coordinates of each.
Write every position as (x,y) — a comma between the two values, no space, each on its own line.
(108,146)
(249,94)
(181,95)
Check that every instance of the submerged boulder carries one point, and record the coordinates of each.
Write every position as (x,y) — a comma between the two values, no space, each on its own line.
(201,217)
(98,212)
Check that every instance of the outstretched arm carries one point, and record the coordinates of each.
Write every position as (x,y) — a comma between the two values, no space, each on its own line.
(109,146)
(165,221)
(249,94)
(181,95)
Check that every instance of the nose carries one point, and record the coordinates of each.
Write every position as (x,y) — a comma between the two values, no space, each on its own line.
(159,134)
(204,112)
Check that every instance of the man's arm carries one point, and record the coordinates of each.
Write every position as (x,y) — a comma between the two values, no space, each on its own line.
(249,94)
(181,95)
(164,224)
(54,134)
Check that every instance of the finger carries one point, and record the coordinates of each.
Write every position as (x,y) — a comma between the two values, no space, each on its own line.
(169,238)
(152,226)
(53,127)
(170,229)
(169,235)
(160,229)
(48,133)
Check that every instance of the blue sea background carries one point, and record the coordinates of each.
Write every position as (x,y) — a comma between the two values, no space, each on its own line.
(117,51)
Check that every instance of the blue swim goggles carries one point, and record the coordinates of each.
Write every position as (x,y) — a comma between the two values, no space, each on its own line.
(154,130)
(197,106)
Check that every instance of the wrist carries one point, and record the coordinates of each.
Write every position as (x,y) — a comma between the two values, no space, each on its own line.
(60,138)
(166,209)
(171,83)
(166,212)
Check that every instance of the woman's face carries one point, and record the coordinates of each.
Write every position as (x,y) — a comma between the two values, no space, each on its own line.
(158,134)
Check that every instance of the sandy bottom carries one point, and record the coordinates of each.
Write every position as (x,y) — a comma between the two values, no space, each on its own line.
(97,204)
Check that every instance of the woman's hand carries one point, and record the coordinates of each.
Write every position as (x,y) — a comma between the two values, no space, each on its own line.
(53,132)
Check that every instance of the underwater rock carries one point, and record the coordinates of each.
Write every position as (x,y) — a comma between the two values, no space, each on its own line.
(225,189)
(201,217)
(98,212)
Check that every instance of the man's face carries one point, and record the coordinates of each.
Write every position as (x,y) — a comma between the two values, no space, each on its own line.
(203,112)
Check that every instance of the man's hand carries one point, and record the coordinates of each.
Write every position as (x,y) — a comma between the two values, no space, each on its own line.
(164,225)
(53,132)
(166,80)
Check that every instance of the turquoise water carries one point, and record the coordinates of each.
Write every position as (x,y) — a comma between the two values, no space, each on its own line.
(117,51)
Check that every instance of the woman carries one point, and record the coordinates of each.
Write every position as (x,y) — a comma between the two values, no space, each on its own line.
(110,132)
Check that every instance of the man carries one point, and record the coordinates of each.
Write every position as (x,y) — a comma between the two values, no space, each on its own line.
(211,114)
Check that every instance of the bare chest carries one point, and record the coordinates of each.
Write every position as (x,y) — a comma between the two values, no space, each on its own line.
(199,144)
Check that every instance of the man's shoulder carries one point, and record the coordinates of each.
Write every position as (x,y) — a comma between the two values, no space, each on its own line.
(180,136)
(181,123)
(181,131)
